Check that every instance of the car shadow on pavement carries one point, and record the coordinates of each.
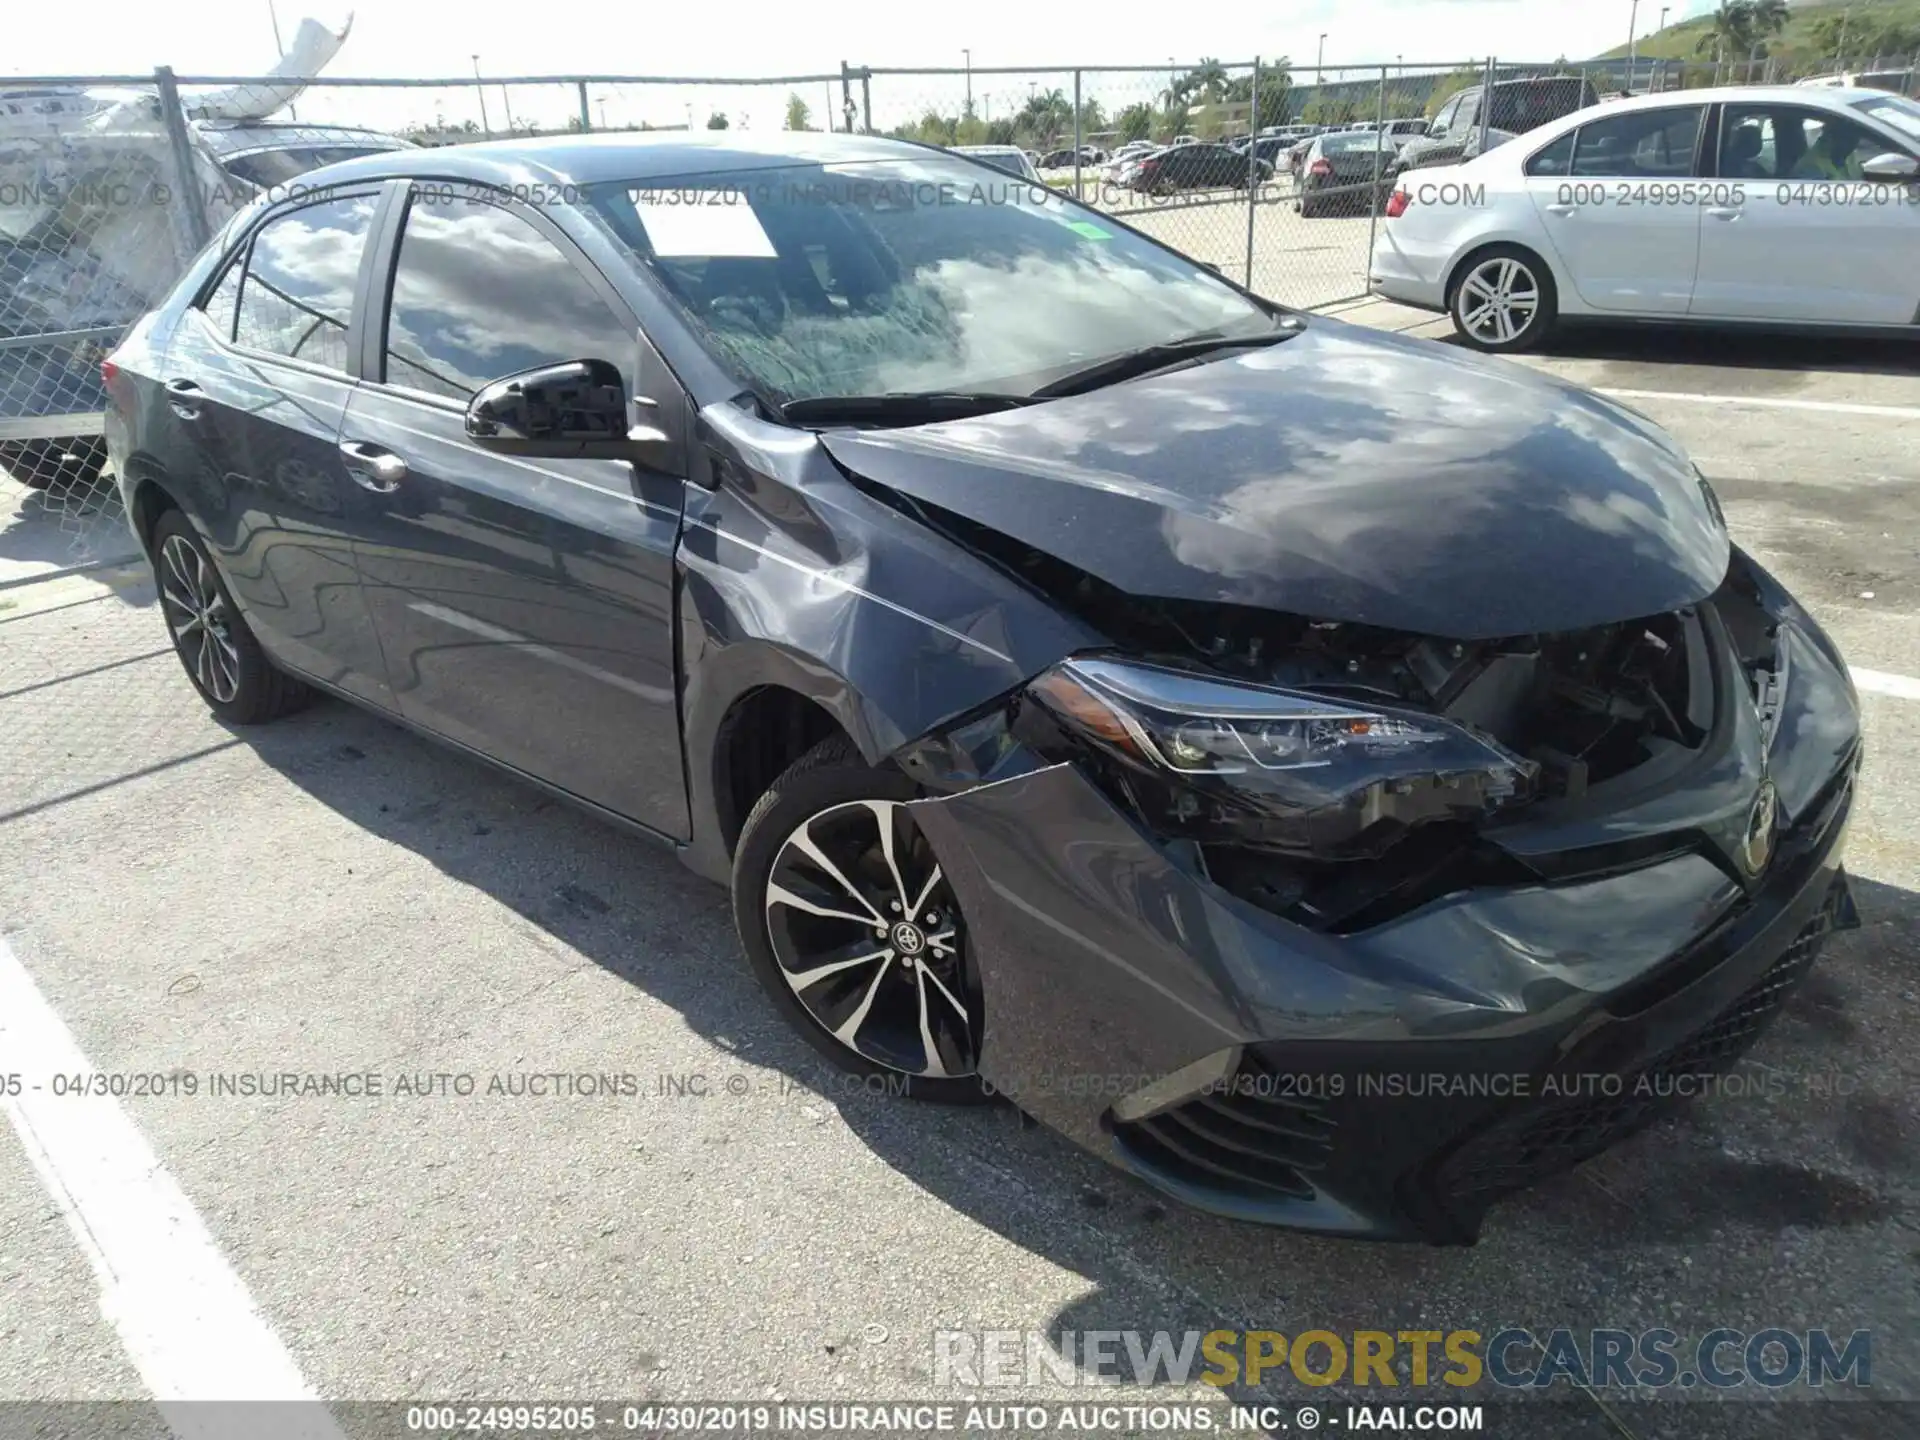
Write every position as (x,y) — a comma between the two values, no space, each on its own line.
(1733,348)
(1787,1197)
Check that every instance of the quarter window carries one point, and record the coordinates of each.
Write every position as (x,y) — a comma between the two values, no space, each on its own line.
(479,293)
(225,299)
(1650,144)
(297,298)
(1552,159)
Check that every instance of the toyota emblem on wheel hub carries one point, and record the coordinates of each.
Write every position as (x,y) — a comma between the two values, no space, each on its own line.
(907,939)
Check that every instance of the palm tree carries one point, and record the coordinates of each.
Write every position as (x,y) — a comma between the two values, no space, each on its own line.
(1276,83)
(1208,80)
(1135,122)
(1730,31)
(1044,114)
(1768,17)
(799,116)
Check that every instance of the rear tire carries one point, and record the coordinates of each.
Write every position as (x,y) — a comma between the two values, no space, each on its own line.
(1503,300)
(887,978)
(218,650)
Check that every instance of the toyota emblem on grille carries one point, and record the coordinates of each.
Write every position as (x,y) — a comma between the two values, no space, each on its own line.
(1756,846)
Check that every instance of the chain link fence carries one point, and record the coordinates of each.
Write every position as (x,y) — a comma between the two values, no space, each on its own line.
(110,184)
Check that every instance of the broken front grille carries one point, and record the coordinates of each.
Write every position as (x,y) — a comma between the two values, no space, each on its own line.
(1540,1141)
(1252,1137)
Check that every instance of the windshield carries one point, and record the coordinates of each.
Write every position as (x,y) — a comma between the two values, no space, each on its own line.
(1894,110)
(907,276)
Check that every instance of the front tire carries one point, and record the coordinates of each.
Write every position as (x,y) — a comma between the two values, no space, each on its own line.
(852,930)
(1504,300)
(222,658)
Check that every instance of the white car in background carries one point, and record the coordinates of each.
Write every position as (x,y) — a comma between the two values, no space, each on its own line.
(1770,205)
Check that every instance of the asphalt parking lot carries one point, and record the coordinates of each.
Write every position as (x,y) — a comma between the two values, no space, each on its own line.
(1297,261)
(330,895)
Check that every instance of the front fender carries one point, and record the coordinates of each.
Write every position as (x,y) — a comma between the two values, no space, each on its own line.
(791,575)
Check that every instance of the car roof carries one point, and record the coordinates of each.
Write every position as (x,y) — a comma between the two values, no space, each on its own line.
(1750,95)
(623,155)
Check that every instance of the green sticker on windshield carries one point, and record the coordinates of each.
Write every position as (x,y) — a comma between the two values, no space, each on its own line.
(1089,229)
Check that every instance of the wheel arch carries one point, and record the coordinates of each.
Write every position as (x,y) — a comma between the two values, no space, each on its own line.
(750,709)
(148,493)
(764,730)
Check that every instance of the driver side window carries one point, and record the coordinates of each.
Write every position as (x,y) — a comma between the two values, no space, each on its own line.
(478,293)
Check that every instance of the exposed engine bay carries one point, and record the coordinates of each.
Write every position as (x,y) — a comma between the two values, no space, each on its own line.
(1580,709)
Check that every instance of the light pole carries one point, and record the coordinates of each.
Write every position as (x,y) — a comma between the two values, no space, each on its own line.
(967,55)
(1319,60)
(486,125)
(1633,39)
(603,113)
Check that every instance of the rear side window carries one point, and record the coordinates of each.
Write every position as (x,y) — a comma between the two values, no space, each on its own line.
(1654,144)
(1552,159)
(479,293)
(297,298)
(222,304)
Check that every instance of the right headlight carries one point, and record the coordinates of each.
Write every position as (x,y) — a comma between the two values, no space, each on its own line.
(1214,760)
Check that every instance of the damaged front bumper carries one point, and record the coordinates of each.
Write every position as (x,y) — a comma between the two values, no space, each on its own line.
(1393,1082)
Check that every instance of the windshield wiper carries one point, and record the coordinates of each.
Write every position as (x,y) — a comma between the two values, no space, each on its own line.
(1148,358)
(899,408)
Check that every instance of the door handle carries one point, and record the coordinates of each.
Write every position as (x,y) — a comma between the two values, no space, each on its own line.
(1724,212)
(373,467)
(1559,209)
(184,397)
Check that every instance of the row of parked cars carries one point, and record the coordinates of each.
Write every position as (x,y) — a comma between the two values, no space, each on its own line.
(1343,169)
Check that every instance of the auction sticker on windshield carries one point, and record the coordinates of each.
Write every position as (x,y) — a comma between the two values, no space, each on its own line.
(701,224)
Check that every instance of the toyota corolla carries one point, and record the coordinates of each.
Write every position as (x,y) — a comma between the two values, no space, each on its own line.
(1339,779)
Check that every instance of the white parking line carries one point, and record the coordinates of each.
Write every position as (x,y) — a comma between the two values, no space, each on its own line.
(1879,682)
(1770,402)
(187,1322)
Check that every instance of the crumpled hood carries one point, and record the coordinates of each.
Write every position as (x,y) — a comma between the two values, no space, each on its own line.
(1342,475)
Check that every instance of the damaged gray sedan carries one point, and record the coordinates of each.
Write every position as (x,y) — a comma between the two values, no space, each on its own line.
(1337,778)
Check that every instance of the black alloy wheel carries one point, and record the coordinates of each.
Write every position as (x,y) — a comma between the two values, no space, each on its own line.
(853,930)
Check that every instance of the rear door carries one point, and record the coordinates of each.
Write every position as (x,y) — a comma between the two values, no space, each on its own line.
(1621,207)
(1814,240)
(525,606)
(258,377)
